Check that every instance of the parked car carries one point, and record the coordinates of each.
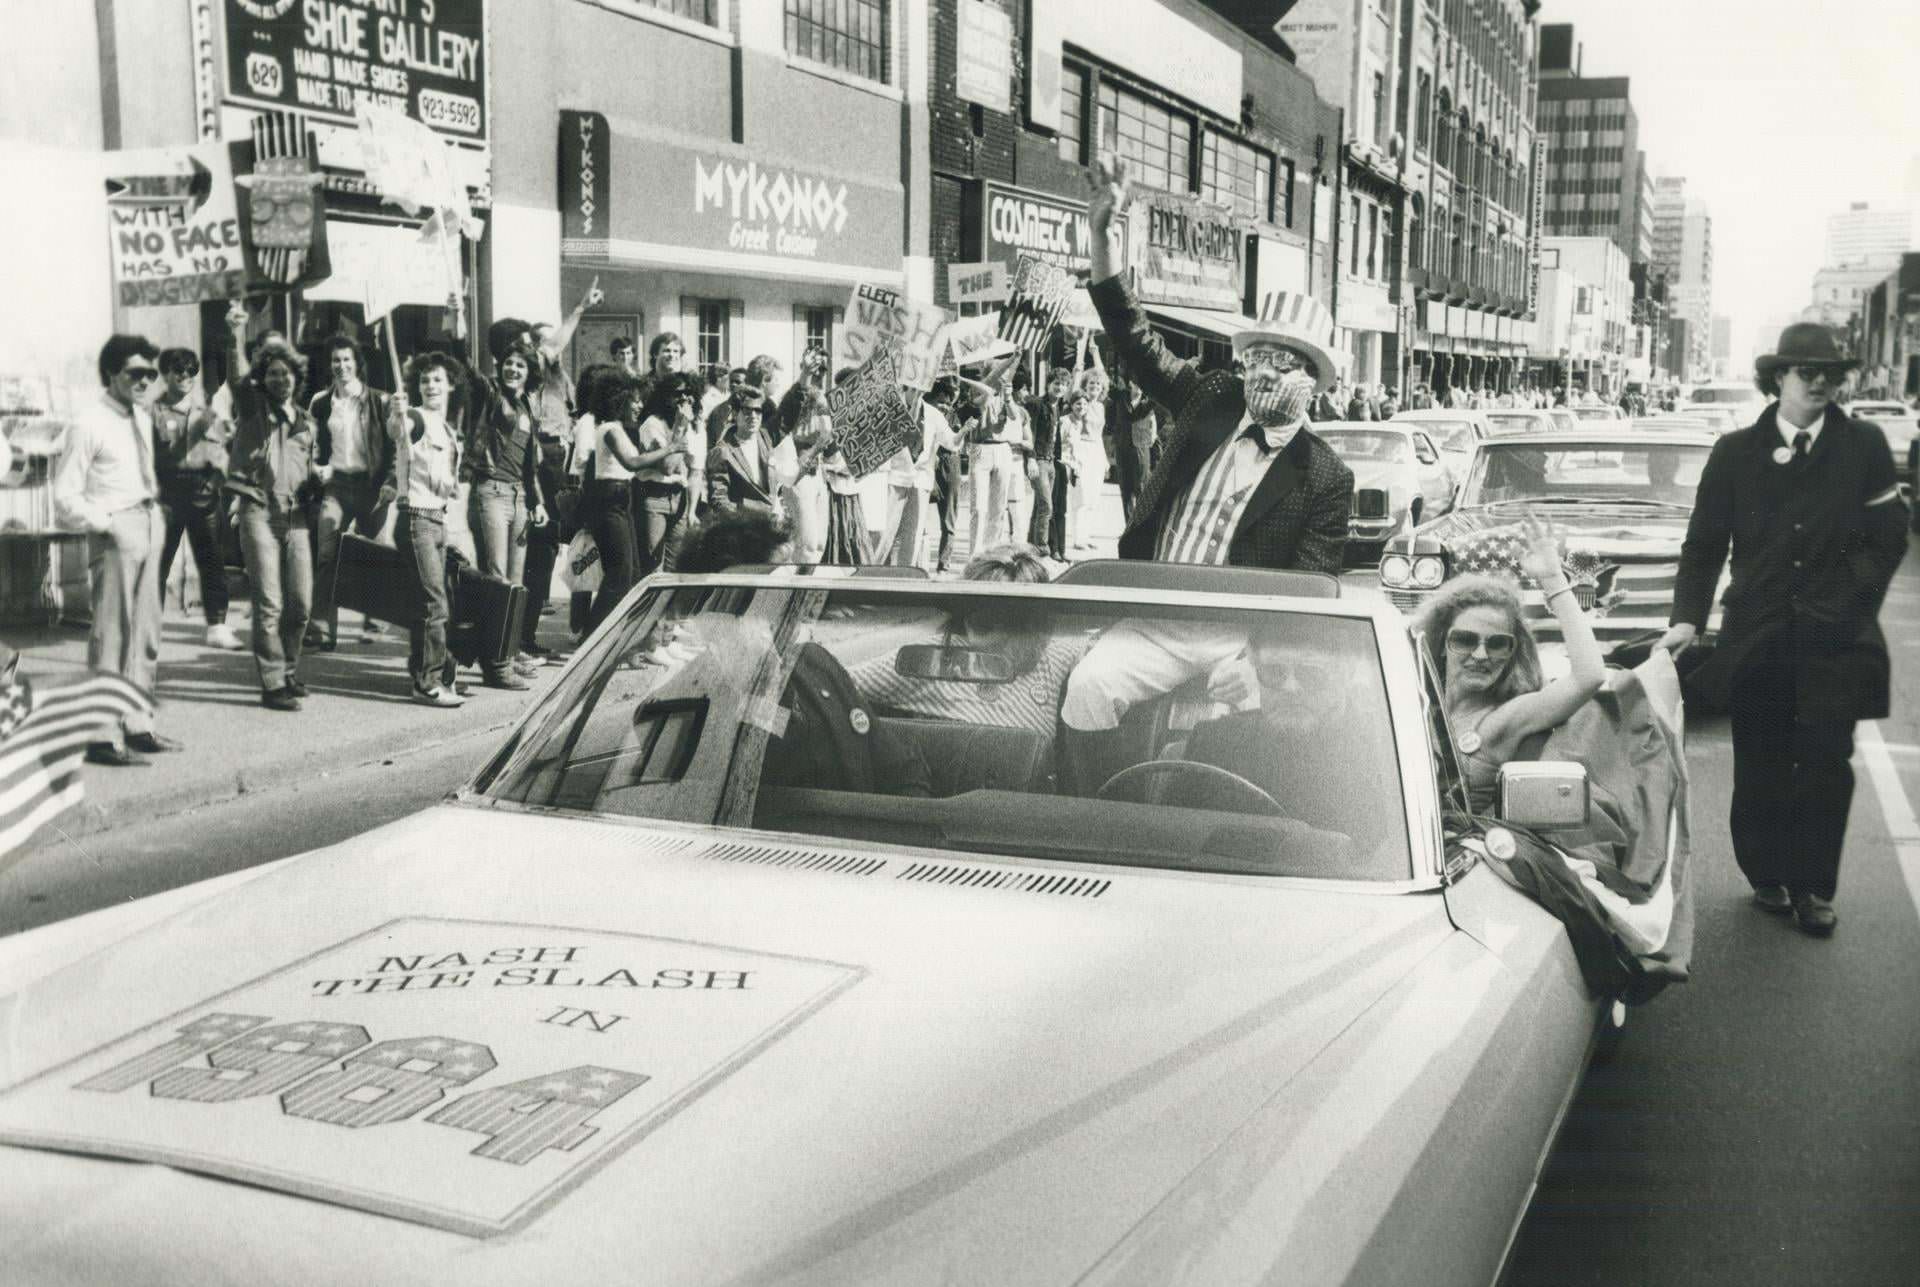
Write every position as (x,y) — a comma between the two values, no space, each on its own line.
(1739,396)
(1520,420)
(1678,422)
(1716,416)
(1621,497)
(686,987)
(1604,411)
(1399,477)
(1901,425)
(1563,418)
(1458,434)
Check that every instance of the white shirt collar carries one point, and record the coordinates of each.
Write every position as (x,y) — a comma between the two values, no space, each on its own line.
(1787,429)
(1277,436)
(352,390)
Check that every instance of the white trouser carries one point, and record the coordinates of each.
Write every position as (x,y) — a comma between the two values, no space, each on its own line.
(990,473)
(1137,660)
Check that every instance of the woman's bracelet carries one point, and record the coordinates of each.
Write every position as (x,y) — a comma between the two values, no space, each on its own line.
(1563,588)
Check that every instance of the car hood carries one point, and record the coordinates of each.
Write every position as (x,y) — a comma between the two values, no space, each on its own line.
(1618,532)
(856,1064)
(1390,477)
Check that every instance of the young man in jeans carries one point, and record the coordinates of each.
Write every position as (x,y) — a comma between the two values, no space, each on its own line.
(426,454)
(190,462)
(354,449)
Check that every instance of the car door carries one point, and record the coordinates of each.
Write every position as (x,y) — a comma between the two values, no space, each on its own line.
(1435,480)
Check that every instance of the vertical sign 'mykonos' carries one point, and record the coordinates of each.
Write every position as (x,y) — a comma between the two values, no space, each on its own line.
(426,58)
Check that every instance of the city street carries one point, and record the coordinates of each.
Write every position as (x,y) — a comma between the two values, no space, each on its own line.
(1758,1125)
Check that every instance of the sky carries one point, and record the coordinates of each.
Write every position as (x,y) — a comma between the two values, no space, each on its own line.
(1777,114)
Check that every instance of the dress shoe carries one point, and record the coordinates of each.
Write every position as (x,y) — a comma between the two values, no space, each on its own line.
(153,743)
(510,681)
(280,699)
(1814,915)
(295,687)
(115,756)
(1773,898)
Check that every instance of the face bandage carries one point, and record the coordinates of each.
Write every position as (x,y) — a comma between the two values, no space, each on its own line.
(1281,403)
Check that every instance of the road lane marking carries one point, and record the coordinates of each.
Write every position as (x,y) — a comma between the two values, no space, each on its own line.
(1902,826)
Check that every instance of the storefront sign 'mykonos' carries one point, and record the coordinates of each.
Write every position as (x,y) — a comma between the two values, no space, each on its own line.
(668,199)
(426,58)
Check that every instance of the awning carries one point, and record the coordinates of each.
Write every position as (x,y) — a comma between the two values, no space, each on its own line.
(1208,321)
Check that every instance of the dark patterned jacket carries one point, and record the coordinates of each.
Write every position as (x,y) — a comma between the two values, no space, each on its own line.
(1299,512)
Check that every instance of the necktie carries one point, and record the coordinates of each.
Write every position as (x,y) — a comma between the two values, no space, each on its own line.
(1258,437)
(1802,443)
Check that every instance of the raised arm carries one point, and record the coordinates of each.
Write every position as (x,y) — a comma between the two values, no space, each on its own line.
(237,366)
(556,343)
(1550,707)
(1166,379)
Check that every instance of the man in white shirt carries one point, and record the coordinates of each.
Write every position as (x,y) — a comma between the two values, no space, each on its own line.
(106,486)
(910,476)
(356,456)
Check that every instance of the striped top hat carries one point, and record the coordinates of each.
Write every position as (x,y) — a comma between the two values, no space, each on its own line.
(1298,322)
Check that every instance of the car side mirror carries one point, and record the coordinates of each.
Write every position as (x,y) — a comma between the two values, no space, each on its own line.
(1544,795)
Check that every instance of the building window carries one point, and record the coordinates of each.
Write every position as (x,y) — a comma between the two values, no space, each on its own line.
(1073,113)
(1237,175)
(1157,143)
(710,335)
(1379,109)
(1286,193)
(1353,236)
(705,12)
(1423,111)
(1416,246)
(818,323)
(1373,240)
(848,34)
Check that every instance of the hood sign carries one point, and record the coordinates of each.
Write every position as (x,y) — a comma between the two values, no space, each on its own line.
(314,1080)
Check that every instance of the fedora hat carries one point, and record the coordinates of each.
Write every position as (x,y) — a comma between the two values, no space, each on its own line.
(1804,344)
(1298,322)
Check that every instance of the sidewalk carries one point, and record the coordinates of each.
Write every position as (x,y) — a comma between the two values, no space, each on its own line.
(359,712)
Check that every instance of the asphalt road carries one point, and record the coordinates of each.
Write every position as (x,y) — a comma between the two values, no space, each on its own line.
(1760,1125)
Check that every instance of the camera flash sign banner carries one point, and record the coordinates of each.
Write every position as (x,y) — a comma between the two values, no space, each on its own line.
(461,1074)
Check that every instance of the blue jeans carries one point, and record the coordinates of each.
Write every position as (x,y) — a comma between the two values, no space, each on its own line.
(497,515)
(279,548)
(423,534)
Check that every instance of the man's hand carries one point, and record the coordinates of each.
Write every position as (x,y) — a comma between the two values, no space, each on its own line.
(539,516)
(237,317)
(1107,213)
(1679,637)
(594,294)
(1232,682)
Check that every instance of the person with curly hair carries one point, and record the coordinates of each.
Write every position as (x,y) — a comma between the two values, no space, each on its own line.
(665,492)
(275,471)
(1476,633)
(426,456)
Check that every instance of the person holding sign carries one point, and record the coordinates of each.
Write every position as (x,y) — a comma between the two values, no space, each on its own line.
(990,458)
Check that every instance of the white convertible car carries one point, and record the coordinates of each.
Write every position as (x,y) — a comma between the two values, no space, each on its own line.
(793,939)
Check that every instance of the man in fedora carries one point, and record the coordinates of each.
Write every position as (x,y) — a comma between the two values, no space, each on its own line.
(1807,499)
(1241,479)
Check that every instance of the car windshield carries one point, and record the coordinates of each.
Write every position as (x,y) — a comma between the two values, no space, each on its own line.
(1517,420)
(982,719)
(1666,472)
(1730,393)
(1594,413)
(1369,444)
(1452,435)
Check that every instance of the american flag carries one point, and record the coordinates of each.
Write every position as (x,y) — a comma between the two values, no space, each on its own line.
(43,735)
(1497,551)
(1041,292)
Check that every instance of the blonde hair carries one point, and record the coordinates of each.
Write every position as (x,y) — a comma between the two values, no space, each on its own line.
(1437,615)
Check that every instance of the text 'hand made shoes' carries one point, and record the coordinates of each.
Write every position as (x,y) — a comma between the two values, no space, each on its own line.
(1814,915)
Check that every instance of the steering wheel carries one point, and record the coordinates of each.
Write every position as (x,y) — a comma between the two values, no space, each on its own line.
(1212,774)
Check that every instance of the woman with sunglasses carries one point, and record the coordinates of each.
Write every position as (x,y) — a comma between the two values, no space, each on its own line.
(663,490)
(1476,633)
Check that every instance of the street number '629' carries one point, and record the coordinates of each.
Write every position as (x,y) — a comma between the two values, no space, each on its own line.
(376,1083)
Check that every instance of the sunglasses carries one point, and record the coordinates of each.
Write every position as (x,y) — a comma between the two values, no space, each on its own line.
(140,374)
(1831,374)
(1282,360)
(1464,643)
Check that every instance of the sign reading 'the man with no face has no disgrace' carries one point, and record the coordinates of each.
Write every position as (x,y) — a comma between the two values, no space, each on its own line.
(461,1074)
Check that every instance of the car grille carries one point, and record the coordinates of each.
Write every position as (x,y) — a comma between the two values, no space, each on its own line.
(1407,600)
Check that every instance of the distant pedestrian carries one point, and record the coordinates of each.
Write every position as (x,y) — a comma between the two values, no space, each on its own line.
(105,485)
(1808,501)
(625,354)
(354,449)
(190,465)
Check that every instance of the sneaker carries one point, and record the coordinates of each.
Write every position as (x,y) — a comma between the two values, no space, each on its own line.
(525,666)
(536,651)
(437,696)
(509,681)
(1814,915)
(280,699)
(1774,899)
(221,635)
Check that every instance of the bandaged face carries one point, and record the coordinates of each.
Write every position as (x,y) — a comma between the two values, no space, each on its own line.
(1278,399)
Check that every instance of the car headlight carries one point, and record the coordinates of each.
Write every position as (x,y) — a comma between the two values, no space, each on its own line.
(1395,570)
(1429,570)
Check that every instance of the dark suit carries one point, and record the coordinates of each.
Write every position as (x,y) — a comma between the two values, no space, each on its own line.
(1297,516)
(733,479)
(1800,655)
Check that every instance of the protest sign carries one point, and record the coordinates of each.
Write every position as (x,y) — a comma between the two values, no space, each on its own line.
(1041,292)
(976,339)
(871,420)
(173,226)
(977,283)
(880,319)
